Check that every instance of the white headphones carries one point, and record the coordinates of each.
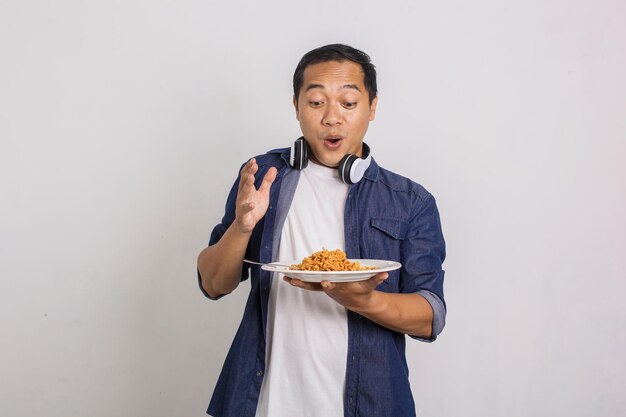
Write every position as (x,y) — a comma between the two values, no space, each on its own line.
(351,168)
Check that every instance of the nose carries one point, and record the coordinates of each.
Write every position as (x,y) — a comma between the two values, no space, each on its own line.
(332,116)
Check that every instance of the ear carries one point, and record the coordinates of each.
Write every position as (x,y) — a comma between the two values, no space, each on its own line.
(295,105)
(373,108)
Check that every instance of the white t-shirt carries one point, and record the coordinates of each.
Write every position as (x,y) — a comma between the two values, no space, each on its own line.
(307,331)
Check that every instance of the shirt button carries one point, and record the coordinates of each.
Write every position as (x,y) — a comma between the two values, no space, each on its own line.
(353,357)
(350,400)
(259,373)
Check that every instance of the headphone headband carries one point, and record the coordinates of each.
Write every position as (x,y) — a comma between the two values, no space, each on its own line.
(351,168)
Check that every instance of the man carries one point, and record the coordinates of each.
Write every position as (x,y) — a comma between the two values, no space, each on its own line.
(329,348)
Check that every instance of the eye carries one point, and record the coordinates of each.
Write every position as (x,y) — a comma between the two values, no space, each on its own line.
(314,103)
(350,104)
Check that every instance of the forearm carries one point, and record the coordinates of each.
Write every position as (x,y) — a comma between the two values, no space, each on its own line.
(220,264)
(411,314)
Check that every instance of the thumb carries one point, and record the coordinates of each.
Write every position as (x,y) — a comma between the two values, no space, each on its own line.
(379,278)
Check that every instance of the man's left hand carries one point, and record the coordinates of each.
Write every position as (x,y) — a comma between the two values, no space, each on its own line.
(352,295)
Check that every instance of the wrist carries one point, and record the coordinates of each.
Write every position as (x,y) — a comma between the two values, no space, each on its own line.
(368,304)
(240,229)
(238,236)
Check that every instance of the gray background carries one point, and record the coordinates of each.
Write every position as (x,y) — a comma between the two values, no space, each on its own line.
(123,124)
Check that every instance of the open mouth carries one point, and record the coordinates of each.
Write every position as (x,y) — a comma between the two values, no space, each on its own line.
(333,142)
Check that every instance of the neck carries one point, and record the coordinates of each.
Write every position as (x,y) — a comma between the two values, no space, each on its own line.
(314,160)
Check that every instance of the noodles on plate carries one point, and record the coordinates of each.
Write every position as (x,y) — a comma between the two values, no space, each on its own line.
(329,260)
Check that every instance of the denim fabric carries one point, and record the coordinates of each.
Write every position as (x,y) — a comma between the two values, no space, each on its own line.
(386,217)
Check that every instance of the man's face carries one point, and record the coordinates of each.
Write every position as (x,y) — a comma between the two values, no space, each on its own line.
(334,110)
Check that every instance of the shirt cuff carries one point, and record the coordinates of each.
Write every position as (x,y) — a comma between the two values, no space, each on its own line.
(439,315)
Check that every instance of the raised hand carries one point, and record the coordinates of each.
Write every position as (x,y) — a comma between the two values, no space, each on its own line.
(252,203)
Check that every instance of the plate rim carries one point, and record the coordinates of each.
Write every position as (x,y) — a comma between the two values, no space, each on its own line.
(393,265)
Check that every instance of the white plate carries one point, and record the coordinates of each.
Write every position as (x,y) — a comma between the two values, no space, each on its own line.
(334,276)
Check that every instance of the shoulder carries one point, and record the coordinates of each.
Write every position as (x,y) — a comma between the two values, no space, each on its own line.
(274,158)
(403,186)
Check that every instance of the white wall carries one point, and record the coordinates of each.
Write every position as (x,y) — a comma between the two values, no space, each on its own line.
(122,124)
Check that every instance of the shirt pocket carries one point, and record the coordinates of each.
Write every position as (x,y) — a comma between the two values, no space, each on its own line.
(387,234)
(393,228)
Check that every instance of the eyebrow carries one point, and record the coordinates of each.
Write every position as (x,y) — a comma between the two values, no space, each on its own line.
(352,86)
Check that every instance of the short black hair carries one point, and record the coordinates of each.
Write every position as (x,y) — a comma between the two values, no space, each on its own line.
(337,52)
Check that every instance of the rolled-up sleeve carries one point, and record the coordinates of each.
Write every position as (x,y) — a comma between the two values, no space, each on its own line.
(423,254)
(439,315)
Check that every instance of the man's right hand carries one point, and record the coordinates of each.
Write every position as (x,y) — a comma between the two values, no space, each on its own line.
(252,203)
(220,264)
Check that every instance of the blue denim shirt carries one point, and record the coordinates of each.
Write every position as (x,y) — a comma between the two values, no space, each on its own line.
(386,217)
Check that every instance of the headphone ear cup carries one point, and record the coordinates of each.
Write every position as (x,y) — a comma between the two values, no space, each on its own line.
(299,156)
(345,165)
(305,154)
(357,170)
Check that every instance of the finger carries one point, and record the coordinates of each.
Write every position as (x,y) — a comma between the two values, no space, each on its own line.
(268,179)
(246,167)
(328,286)
(244,171)
(253,168)
(244,195)
(247,184)
(311,286)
